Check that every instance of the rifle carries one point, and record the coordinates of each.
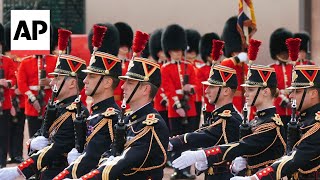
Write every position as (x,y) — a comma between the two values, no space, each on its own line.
(15,103)
(1,87)
(51,113)
(42,75)
(244,126)
(292,129)
(80,127)
(120,133)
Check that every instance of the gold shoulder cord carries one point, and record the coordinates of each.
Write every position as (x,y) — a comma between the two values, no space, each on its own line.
(279,169)
(224,124)
(42,153)
(97,128)
(75,166)
(311,131)
(58,122)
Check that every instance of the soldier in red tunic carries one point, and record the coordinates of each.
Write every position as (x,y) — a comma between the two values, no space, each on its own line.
(126,37)
(283,69)
(235,58)
(7,80)
(179,86)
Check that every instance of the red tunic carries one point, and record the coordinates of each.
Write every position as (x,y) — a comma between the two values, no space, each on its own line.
(172,86)
(8,67)
(283,74)
(28,80)
(159,96)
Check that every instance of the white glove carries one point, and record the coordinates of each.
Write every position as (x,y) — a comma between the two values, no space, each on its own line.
(108,161)
(201,166)
(73,155)
(254,177)
(170,147)
(10,173)
(39,143)
(188,158)
(238,164)
(243,56)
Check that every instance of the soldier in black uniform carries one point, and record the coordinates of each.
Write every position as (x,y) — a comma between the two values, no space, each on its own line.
(51,159)
(144,154)
(223,124)
(101,80)
(303,162)
(265,145)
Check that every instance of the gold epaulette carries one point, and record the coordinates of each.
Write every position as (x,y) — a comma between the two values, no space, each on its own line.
(72,107)
(109,112)
(225,113)
(317,117)
(150,120)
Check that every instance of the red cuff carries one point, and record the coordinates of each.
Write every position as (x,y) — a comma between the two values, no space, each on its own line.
(213,151)
(264,172)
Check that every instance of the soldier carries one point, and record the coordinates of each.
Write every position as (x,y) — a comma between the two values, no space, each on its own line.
(50,158)
(304,48)
(144,154)
(224,120)
(304,159)
(202,73)
(126,37)
(160,100)
(235,58)
(283,69)
(180,80)
(193,39)
(264,146)
(100,82)
(7,80)
(29,83)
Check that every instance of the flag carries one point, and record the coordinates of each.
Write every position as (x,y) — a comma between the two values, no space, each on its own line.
(246,24)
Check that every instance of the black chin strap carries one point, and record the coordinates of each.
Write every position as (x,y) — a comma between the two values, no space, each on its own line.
(256,96)
(133,92)
(60,88)
(302,99)
(217,97)
(98,84)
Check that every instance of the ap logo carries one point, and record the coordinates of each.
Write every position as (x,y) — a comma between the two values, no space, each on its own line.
(30,31)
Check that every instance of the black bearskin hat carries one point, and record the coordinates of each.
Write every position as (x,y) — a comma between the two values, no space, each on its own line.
(305,40)
(173,38)
(126,34)
(278,41)
(231,37)
(193,38)
(155,44)
(111,40)
(205,45)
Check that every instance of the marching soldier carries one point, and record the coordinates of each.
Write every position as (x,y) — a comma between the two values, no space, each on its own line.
(50,158)
(304,48)
(126,37)
(144,154)
(100,82)
(7,80)
(303,162)
(160,100)
(283,69)
(205,47)
(264,146)
(224,120)
(180,83)
(235,58)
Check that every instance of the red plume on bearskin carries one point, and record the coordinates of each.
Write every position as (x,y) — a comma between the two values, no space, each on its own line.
(139,41)
(98,34)
(293,45)
(253,49)
(216,51)
(63,38)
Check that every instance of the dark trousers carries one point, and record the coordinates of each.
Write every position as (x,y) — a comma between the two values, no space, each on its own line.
(164,115)
(4,133)
(34,124)
(198,117)
(16,135)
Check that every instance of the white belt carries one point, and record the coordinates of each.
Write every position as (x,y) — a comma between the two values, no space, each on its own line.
(36,88)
